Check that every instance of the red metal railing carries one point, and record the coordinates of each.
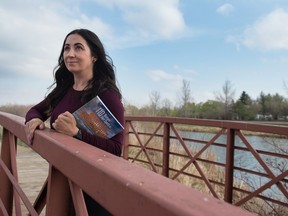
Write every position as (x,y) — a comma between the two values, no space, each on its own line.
(119,186)
(263,188)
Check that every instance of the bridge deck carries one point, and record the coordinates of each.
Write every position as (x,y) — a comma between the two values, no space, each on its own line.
(32,172)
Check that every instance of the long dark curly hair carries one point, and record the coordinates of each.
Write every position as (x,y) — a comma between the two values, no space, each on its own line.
(103,72)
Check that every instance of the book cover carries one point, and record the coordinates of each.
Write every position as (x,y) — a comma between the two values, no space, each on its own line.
(95,118)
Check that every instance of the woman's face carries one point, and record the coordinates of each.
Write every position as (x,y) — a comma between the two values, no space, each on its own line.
(77,55)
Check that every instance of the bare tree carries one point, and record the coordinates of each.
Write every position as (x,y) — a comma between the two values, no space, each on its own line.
(166,107)
(285,86)
(226,97)
(155,101)
(185,108)
(186,94)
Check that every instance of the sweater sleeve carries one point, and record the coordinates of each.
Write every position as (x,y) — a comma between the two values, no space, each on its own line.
(114,144)
(37,111)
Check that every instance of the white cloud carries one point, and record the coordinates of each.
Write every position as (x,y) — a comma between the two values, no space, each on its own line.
(151,18)
(234,40)
(225,9)
(161,75)
(166,83)
(267,33)
(188,71)
(31,37)
(32,31)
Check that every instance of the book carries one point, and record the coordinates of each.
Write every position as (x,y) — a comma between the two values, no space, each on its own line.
(95,118)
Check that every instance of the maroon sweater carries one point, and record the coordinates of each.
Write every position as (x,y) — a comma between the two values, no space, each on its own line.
(71,102)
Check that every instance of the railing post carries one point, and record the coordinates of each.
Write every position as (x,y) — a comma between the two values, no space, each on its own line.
(8,156)
(126,141)
(166,150)
(228,196)
(59,200)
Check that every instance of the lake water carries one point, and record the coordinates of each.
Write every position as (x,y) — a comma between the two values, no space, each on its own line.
(245,159)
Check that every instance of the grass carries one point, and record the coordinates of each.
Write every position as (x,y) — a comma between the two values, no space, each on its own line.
(190,175)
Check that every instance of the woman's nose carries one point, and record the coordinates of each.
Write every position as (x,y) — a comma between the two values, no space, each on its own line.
(71,53)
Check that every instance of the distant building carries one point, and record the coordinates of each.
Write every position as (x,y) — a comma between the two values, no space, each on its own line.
(264,117)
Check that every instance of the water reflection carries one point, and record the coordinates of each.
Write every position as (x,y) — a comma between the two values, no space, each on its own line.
(243,158)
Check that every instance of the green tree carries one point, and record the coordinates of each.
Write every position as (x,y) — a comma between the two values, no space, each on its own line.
(276,105)
(272,105)
(245,98)
(131,110)
(262,101)
(211,109)
(243,108)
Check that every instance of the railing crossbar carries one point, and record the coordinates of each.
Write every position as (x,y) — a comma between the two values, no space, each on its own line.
(76,167)
(232,130)
(18,189)
(263,164)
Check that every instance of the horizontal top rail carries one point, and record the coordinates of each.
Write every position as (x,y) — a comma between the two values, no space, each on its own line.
(243,163)
(121,187)
(275,129)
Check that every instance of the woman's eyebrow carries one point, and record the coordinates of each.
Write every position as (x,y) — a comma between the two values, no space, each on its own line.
(76,44)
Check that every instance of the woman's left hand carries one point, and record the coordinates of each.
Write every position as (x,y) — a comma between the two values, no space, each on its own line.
(66,124)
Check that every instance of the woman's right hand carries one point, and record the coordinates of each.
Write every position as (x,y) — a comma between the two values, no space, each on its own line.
(31,126)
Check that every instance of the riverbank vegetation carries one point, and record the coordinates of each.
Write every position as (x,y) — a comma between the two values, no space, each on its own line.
(265,108)
(211,165)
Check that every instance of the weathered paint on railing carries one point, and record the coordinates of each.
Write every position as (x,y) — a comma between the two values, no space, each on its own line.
(121,187)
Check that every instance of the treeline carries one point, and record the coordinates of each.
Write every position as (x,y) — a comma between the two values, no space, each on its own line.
(223,107)
(15,109)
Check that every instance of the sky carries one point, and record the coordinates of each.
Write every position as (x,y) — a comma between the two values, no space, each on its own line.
(154,44)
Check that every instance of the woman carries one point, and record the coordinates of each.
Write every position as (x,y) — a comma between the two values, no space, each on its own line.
(84,71)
